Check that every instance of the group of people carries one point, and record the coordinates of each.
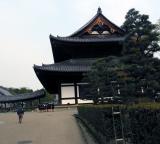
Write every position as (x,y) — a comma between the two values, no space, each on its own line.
(46,107)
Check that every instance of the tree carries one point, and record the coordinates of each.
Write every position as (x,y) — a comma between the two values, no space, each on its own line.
(143,34)
(158,27)
(103,79)
(22,90)
(97,79)
(134,78)
(136,73)
(49,98)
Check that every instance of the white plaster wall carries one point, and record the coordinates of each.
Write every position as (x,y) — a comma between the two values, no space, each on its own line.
(68,91)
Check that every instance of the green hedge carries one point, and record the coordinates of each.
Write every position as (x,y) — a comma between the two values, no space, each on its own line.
(141,122)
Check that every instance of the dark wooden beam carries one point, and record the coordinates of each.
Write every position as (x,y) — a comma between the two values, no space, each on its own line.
(67,85)
(39,101)
(68,98)
(76,93)
(22,104)
(5,106)
(59,94)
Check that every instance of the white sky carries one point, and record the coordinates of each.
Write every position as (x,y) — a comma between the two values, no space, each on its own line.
(25,26)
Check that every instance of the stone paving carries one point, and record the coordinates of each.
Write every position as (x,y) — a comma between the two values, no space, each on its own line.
(58,127)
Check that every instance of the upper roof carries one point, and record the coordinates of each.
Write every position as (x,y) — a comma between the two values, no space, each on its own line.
(98,38)
(100,24)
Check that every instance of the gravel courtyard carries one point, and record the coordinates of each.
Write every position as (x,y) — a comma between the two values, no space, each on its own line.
(58,127)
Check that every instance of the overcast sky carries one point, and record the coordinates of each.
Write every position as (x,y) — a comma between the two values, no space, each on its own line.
(25,26)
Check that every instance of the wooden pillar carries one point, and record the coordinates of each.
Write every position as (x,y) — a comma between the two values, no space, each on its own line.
(75,93)
(31,103)
(22,104)
(14,106)
(1,107)
(59,94)
(39,100)
(5,106)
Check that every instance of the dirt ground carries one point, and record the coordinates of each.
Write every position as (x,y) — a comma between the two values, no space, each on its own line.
(58,127)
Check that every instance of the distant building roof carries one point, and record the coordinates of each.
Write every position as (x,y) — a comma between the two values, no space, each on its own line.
(22,97)
(4,91)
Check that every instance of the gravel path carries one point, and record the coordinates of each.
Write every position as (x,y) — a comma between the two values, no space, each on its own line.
(57,127)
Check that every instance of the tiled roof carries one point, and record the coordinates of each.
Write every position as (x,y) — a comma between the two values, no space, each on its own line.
(4,91)
(73,65)
(88,40)
(22,97)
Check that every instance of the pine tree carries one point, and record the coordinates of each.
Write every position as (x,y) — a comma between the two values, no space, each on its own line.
(158,27)
(144,35)
(136,73)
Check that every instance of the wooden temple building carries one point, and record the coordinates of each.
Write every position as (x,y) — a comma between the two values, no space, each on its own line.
(73,55)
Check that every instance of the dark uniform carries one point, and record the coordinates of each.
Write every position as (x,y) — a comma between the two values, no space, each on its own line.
(20,113)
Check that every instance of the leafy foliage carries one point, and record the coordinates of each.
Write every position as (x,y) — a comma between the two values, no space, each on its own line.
(98,79)
(158,28)
(20,90)
(48,98)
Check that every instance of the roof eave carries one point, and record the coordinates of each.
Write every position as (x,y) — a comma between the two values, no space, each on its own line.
(79,40)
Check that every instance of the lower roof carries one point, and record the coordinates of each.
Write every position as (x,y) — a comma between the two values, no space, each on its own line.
(22,97)
(72,65)
(69,71)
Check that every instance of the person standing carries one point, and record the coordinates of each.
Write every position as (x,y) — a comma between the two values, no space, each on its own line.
(20,113)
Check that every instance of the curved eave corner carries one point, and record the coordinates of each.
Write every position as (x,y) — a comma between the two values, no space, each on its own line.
(40,73)
(37,71)
(54,39)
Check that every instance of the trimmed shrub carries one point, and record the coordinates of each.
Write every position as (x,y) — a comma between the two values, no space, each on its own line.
(141,122)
